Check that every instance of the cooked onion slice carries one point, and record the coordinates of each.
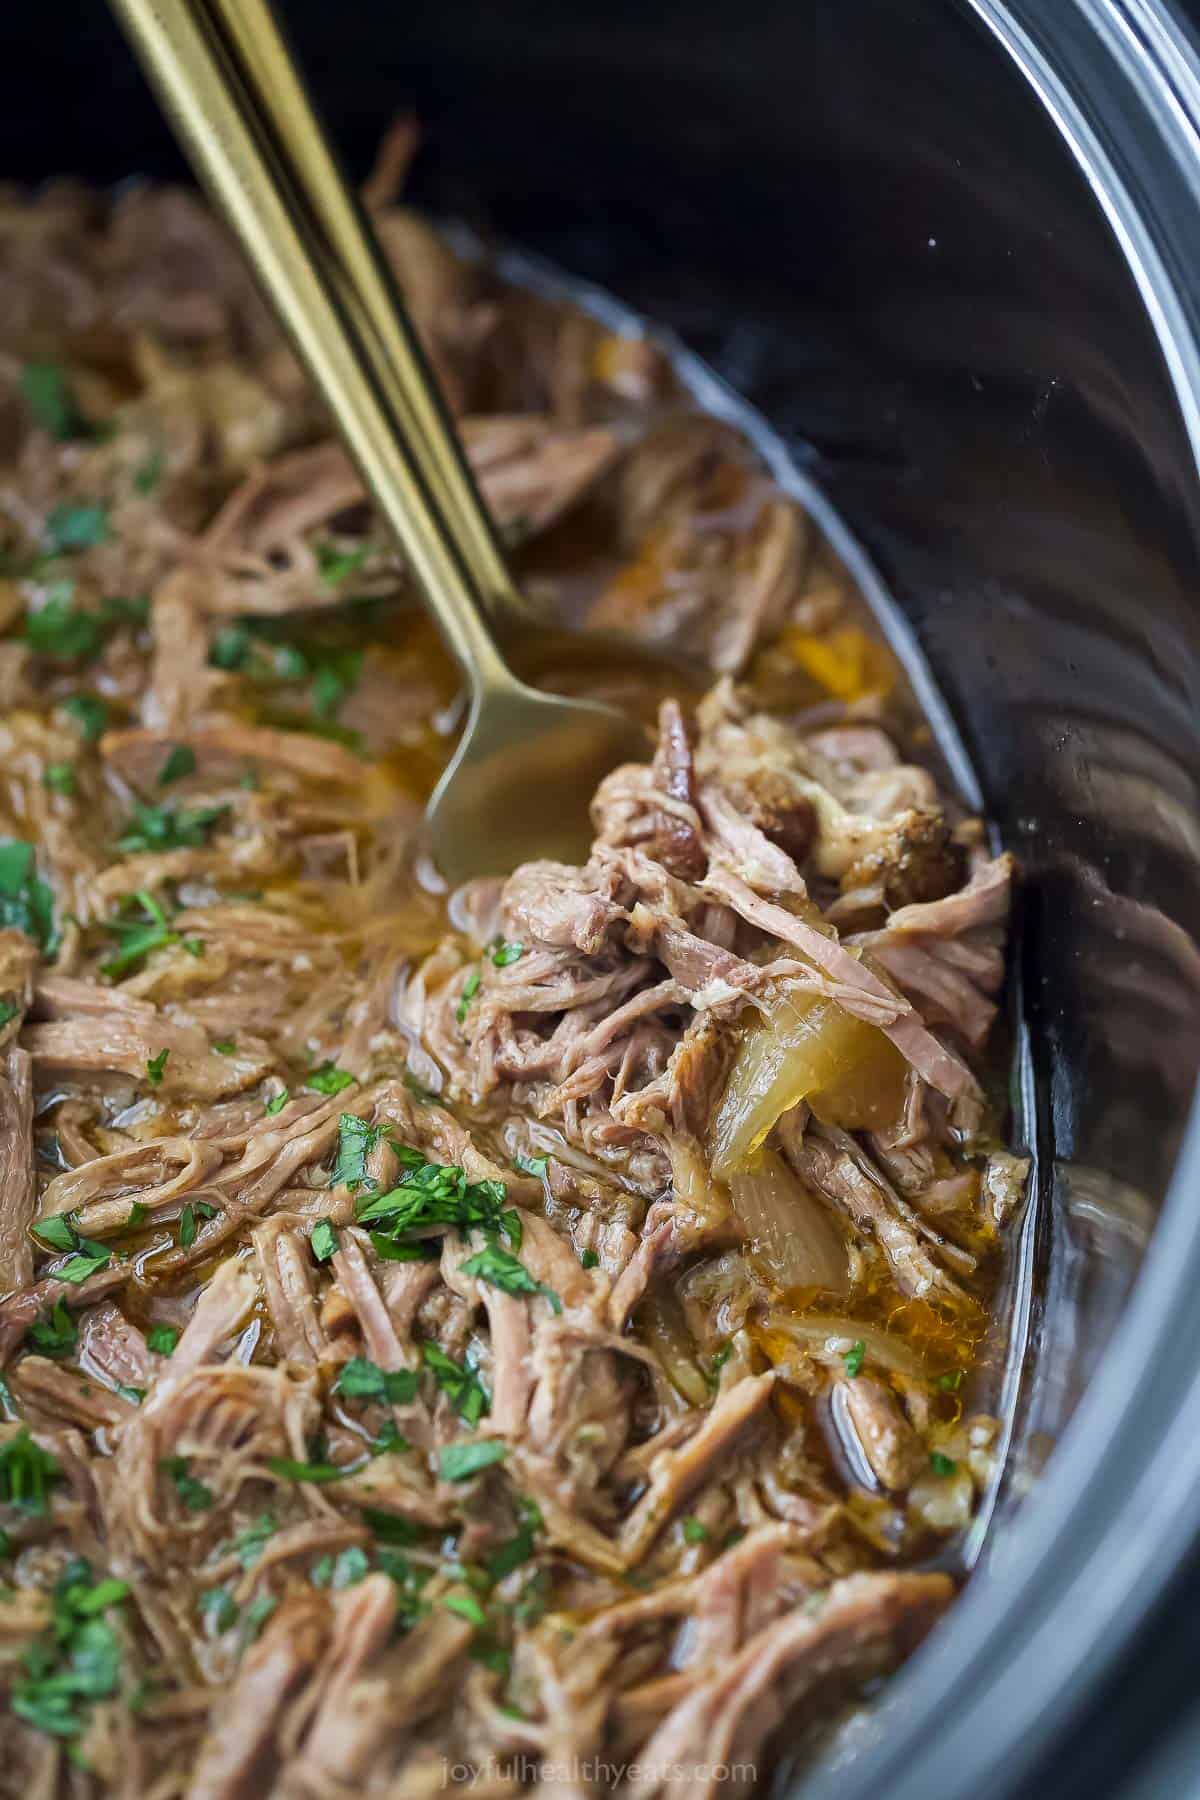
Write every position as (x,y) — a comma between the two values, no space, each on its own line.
(828,1337)
(805,1048)
(791,1238)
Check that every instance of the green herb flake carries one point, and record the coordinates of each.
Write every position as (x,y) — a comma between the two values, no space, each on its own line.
(277,1102)
(8,1012)
(26,902)
(187,1226)
(196,1497)
(180,761)
(257,1614)
(504,955)
(89,713)
(137,1212)
(436,1194)
(509,1556)
(323,1240)
(467,1607)
(149,473)
(289,1470)
(224,1046)
(356,1141)
(950,1383)
(161,828)
(56,1232)
(853,1359)
(532,1165)
(459,1462)
(62,630)
(135,1395)
(249,1544)
(219,1607)
(497,1266)
(140,928)
(329,1080)
(941,1464)
(27,1472)
(156,1068)
(470,988)
(162,1339)
(589,1259)
(459,1382)
(716,1363)
(336,566)
(77,1662)
(695,1531)
(90,1258)
(321,1573)
(351,1567)
(54,1333)
(59,778)
(361,1379)
(47,392)
(76,526)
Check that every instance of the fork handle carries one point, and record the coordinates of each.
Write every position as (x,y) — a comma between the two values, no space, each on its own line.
(282,213)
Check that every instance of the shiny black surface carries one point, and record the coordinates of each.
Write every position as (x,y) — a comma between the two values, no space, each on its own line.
(863,215)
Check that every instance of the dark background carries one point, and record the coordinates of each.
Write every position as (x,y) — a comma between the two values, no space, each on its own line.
(734,171)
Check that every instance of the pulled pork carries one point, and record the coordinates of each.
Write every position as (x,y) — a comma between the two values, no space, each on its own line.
(529,1330)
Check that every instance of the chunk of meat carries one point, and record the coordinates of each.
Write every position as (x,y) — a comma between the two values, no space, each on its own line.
(676,1474)
(17,1185)
(241,1751)
(888,1442)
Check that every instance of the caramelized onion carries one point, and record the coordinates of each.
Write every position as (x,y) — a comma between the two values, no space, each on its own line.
(805,1048)
(791,1238)
(829,1336)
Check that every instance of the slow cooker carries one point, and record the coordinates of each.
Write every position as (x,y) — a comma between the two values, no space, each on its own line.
(950,251)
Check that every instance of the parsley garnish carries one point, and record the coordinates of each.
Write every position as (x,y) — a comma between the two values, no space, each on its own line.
(57,1233)
(356,1141)
(716,1363)
(351,1567)
(361,1379)
(219,1607)
(89,712)
(248,1545)
(951,1383)
(138,933)
(507,1557)
(224,1046)
(195,1496)
(169,827)
(532,1165)
(257,1614)
(589,1259)
(290,1470)
(162,1339)
(942,1465)
(47,393)
(54,1333)
(323,1240)
(458,1462)
(27,1473)
(329,1079)
(26,902)
(496,1266)
(853,1358)
(437,1194)
(135,1395)
(321,1573)
(156,1068)
(77,1662)
(148,474)
(336,565)
(67,632)
(470,988)
(180,761)
(467,1607)
(277,1102)
(503,954)
(695,1531)
(8,1011)
(460,1382)
(59,778)
(75,526)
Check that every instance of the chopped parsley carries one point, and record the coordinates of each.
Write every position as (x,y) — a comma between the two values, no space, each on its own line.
(716,1363)
(162,1339)
(27,1472)
(589,1259)
(256,1615)
(459,1382)
(57,1232)
(76,526)
(180,761)
(503,954)
(224,1046)
(321,1573)
(695,1531)
(148,474)
(467,1607)
(509,1556)
(329,1079)
(289,1470)
(323,1240)
(532,1165)
(90,714)
(361,1379)
(65,631)
(951,1382)
(351,1566)
(75,1663)
(219,1607)
(47,392)
(8,1012)
(156,1068)
(140,928)
(502,1270)
(337,565)
(854,1357)
(458,1462)
(26,902)
(169,827)
(941,1464)
(277,1102)
(54,1333)
(470,988)
(195,1496)
(249,1544)
(437,1194)
(193,1211)
(137,1212)
(356,1141)
(59,778)
(135,1395)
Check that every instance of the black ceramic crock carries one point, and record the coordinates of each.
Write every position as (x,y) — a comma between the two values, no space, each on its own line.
(951,250)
